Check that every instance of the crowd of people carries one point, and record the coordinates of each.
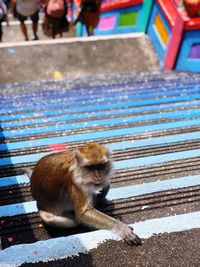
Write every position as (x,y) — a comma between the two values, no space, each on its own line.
(59,15)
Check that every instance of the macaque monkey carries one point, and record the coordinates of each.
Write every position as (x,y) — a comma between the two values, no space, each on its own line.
(64,185)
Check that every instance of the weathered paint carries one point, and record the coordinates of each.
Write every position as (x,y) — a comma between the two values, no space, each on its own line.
(63,247)
(100,134)
(113,194)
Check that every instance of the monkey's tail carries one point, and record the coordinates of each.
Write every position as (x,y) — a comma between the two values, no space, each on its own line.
(29,172)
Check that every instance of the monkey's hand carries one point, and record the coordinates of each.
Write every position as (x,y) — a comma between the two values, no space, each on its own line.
(127,234)
(100,200)
(103,192)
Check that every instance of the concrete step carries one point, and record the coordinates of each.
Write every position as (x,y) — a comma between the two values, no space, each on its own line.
(74,57)
(150,122)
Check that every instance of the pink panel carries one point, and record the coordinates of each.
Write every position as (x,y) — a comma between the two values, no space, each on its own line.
(107,23)
(174,43)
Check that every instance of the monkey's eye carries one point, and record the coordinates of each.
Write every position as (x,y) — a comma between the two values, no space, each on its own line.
(97,167)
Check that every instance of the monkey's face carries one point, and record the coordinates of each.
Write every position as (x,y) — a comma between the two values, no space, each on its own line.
(98,173)
(94,164)
(94,177)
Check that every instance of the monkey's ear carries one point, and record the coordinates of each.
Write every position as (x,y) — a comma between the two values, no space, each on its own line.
(80,158)
(107,153)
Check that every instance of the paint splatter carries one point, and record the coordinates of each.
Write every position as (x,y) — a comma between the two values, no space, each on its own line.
(10,239)
(57,75)
(11,50)
(35,252)
(58,147)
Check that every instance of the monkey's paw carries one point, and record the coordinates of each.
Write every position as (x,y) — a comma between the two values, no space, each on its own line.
(128,235)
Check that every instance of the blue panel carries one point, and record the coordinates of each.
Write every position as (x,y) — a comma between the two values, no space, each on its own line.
(154,36)
(184,62)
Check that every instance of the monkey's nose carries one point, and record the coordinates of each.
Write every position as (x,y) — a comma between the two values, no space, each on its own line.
(97,174)
(96,177)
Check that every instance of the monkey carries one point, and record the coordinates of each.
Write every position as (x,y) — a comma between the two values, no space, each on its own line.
(64,185)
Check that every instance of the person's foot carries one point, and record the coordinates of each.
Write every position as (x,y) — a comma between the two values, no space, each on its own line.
(35,38)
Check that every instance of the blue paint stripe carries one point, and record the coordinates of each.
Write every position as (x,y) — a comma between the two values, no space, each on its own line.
(122,109)
(21,179)
(13,180)
(114,146)
(135,163)
(139,88)
(153,187)
(113,121)
(81,87)
(131,163)
(98,90)
(64,247)
(92,96)
(60,118)
(155,141)
(97,135)
(114,193)
(22,159)
(88,108)
(18,209)
(156,82)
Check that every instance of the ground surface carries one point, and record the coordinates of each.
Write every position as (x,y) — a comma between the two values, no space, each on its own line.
(150,122)
(12,33)
(164,250)
(72,57)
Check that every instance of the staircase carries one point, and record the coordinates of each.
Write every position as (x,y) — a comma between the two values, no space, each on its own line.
(151,123)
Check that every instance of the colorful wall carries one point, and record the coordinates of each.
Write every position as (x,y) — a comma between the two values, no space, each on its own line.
(188,58)
(159,31)
(175,36)
(123,20)
(117,17)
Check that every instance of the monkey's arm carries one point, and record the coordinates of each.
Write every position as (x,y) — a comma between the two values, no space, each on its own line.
(88,215)
(92,217)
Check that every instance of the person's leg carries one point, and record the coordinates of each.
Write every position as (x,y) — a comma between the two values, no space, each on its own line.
(35,28)
(23,25)
(54,27)
(24,30)
(35,18)
(89,30)
(1,32)
(88,19)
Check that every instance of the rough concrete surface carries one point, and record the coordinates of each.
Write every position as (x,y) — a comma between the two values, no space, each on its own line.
(165,106)
(168,250)
(75,57)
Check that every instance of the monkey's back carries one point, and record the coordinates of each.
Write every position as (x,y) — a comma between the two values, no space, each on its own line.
(50,177)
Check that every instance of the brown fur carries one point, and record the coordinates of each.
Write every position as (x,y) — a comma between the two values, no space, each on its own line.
(93,153)
(65,182)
